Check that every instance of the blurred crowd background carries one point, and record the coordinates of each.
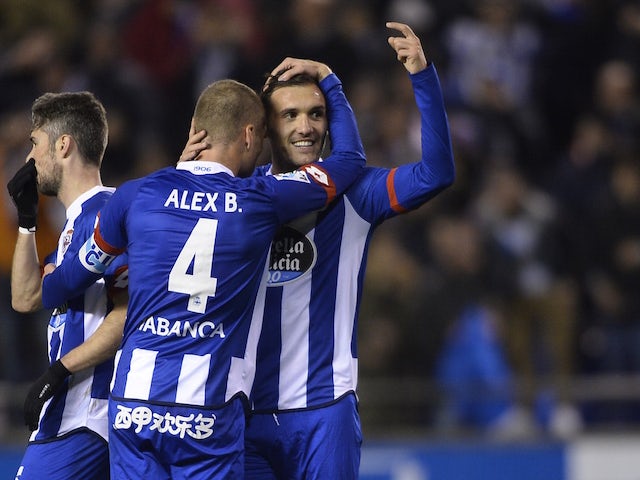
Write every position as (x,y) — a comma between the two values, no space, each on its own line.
(508,305)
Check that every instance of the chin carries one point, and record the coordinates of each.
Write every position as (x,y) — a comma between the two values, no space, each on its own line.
(305,160)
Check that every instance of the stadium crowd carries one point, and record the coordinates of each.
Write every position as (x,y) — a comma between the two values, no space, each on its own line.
(521,273)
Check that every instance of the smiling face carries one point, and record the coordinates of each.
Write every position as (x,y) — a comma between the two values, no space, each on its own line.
(297,126)
(48,168)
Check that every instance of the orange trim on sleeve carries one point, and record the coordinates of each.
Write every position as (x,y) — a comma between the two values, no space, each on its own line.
(391,191)
(103,244)
(322,177)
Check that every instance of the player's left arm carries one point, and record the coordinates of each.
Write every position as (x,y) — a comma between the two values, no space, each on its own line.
(104,342)
(100,346)
(77,272)
(409,186)
(196,143)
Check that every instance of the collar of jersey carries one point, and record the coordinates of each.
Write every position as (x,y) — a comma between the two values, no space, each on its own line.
(199,167)
(270,169)
(76,206)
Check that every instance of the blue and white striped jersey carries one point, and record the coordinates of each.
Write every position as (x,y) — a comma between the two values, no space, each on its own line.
(82,401)
(197,239)
(307,355)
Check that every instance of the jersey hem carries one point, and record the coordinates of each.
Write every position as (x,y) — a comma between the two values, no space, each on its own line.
(68,434)
(240,395)
(303,409)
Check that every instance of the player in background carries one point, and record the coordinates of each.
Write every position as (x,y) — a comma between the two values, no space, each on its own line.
(69,137)
(198,236)
(304,422)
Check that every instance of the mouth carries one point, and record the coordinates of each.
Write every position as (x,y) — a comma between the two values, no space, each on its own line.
(303,144)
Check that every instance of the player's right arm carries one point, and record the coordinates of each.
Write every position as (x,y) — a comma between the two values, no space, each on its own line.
(25,268)
(108,241)
(26,275)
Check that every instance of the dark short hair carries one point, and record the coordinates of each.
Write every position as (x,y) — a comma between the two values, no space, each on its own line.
(78,114)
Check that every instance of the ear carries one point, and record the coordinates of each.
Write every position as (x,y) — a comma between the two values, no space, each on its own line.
(249,136)
(65,145)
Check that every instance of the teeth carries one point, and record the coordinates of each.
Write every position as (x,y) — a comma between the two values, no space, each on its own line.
(303,143)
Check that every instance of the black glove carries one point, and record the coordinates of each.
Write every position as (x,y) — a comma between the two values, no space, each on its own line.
(23,189)
(41,391)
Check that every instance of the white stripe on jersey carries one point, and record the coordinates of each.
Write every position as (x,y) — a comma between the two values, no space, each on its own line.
(295,344)
(194,372)
(76,404)
(116,361)
(242,371)
(140,374)
(345,367)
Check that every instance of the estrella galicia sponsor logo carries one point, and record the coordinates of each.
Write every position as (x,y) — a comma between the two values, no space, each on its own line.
(58,317)
(292,255)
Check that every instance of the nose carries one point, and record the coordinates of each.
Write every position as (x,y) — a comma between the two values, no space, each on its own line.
(304,125)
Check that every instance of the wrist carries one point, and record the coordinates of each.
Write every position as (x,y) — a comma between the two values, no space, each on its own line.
(59,370)
(27,231)
(27,220)
(323,72)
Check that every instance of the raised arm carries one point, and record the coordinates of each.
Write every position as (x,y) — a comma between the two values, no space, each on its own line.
(26,276)
(386,193)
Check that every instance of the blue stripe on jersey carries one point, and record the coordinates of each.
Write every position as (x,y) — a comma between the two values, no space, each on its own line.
(50,424)
(54,346)
(160,381)
(101,378)
(269,349)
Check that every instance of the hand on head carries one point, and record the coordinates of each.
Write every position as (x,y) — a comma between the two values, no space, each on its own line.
(195,144)
(290,67)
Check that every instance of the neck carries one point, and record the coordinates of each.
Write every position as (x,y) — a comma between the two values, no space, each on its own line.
(279,165)
(78,182)
(224,154)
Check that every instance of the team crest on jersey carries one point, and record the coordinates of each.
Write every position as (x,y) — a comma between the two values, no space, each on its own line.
(58,318)
(292,255)
(66,240)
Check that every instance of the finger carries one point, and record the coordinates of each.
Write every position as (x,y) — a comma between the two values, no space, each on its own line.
(197,137)
(192,128)
(403,28)
(48,268)
(282,66)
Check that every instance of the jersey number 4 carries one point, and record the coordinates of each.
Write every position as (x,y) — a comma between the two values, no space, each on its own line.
(191,274)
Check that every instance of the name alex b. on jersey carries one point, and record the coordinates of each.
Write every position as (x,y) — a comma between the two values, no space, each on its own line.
(202,201)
